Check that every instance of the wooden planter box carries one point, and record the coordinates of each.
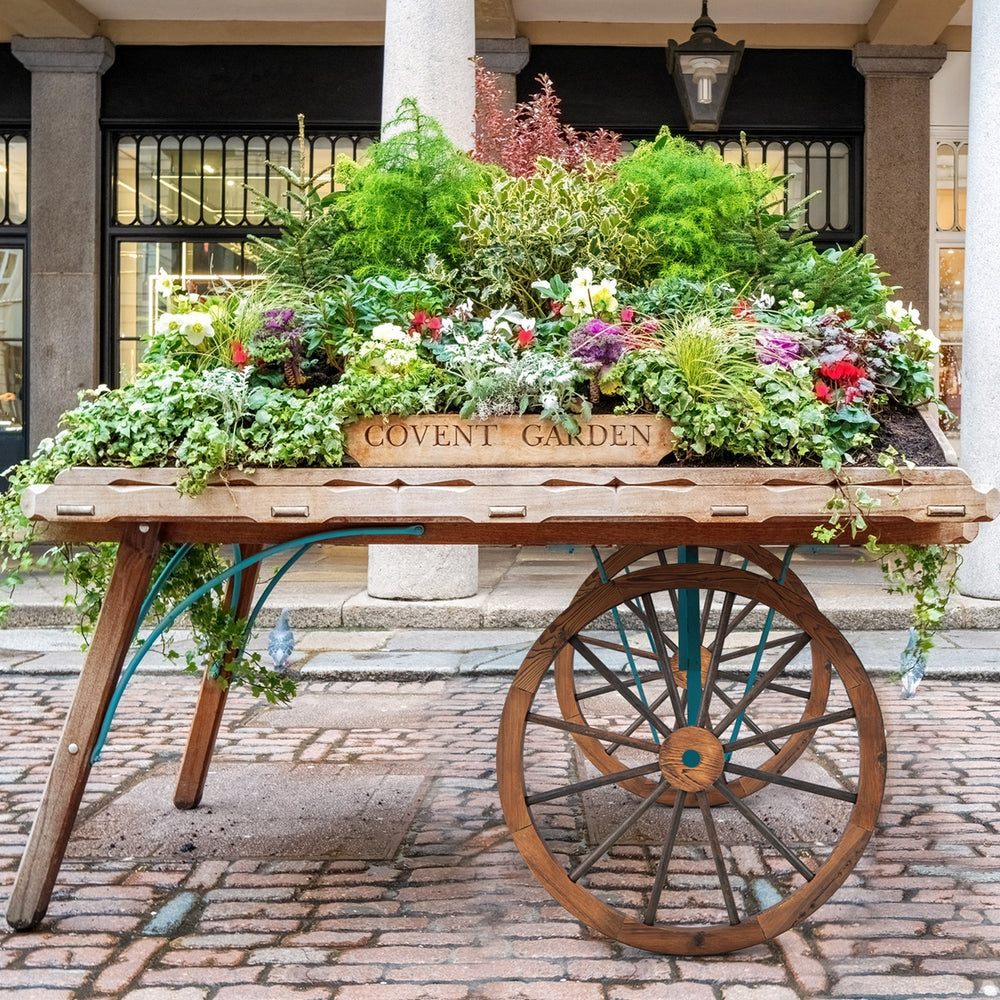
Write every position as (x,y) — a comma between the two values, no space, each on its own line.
(448,441)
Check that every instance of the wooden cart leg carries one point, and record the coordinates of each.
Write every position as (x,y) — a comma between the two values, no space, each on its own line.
(71,764)
(212,703)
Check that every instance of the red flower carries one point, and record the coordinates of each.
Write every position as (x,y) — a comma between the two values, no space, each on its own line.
(422,323)
(525,338)
(239,353)
(743,311)
(852,394)
(556,308)
(842,371)
(628,314)
(822,391)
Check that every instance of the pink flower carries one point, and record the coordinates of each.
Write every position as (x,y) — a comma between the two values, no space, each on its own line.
(239,353)
(628,314)
(822,391)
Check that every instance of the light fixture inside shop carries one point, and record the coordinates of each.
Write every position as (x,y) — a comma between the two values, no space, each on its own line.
(703,67)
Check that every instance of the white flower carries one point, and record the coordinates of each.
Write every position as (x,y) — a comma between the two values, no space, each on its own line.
(168,323)
(928,341)
(895,311)
(388,332)
(196,326)
(798,295)
(165,284)
(765,301)
(914,315)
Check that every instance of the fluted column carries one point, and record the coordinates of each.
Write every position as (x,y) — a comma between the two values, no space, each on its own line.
(980,572)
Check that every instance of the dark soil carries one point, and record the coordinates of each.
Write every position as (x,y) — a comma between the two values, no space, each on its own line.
(905,430)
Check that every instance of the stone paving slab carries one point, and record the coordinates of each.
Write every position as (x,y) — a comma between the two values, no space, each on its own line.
(454,913)
(518,588)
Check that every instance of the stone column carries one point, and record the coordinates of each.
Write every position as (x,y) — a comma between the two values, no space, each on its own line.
(897,160)
(429,46)
(505,57)
(980,572)
(64,211)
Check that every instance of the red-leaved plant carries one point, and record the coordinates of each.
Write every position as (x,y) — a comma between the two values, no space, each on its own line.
(515,139)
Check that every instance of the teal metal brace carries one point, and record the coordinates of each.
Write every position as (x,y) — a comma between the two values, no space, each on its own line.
(689,637)
(625,643)
(240,564)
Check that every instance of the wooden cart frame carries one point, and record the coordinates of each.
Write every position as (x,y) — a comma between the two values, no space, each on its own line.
(692,671)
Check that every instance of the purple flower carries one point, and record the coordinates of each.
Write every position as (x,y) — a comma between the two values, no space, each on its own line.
(278,320)
(775,347)
(597,345)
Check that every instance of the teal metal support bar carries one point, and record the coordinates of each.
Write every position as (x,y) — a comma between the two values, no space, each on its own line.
(689,637)
(301,543)
(625,643)
(765,635)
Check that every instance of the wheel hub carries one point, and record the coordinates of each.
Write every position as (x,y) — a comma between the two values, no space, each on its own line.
(691,759)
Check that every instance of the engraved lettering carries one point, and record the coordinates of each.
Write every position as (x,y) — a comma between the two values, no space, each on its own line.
(594,428)
(486,434)
(465,433)
(441,436)
(554,433)
(373,428)
(419,433)
(400,437)
(638,433)
(618,438)
(532,435)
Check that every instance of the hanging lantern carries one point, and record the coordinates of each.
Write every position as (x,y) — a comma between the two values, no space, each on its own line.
(703,69)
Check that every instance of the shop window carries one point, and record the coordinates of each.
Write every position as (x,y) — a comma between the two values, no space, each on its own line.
(949,160)
(214,180)
(184,204)
(13,180)
(820,168)
(13,247)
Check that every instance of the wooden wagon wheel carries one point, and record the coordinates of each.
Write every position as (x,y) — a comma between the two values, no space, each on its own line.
(574,697)
(666,878)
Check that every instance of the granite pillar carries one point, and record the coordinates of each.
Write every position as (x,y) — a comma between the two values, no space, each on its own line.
(504,58)
(64,188)
(897,161)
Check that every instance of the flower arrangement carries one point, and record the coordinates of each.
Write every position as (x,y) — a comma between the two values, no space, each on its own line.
(541,275)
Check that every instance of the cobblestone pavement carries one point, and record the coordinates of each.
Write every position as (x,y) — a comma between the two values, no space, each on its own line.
(453,912)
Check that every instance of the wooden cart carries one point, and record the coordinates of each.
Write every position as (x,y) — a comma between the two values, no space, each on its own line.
(731,732)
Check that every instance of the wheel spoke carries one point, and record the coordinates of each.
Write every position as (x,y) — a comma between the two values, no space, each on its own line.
(598,664)
(749,722)
(762,682)
(784,640)
(658,640)
(773,778)
(590,783)
(795,727)
(709,687)
(762,828)
(720,861)
(666,853)
(598,734)
(616,834)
